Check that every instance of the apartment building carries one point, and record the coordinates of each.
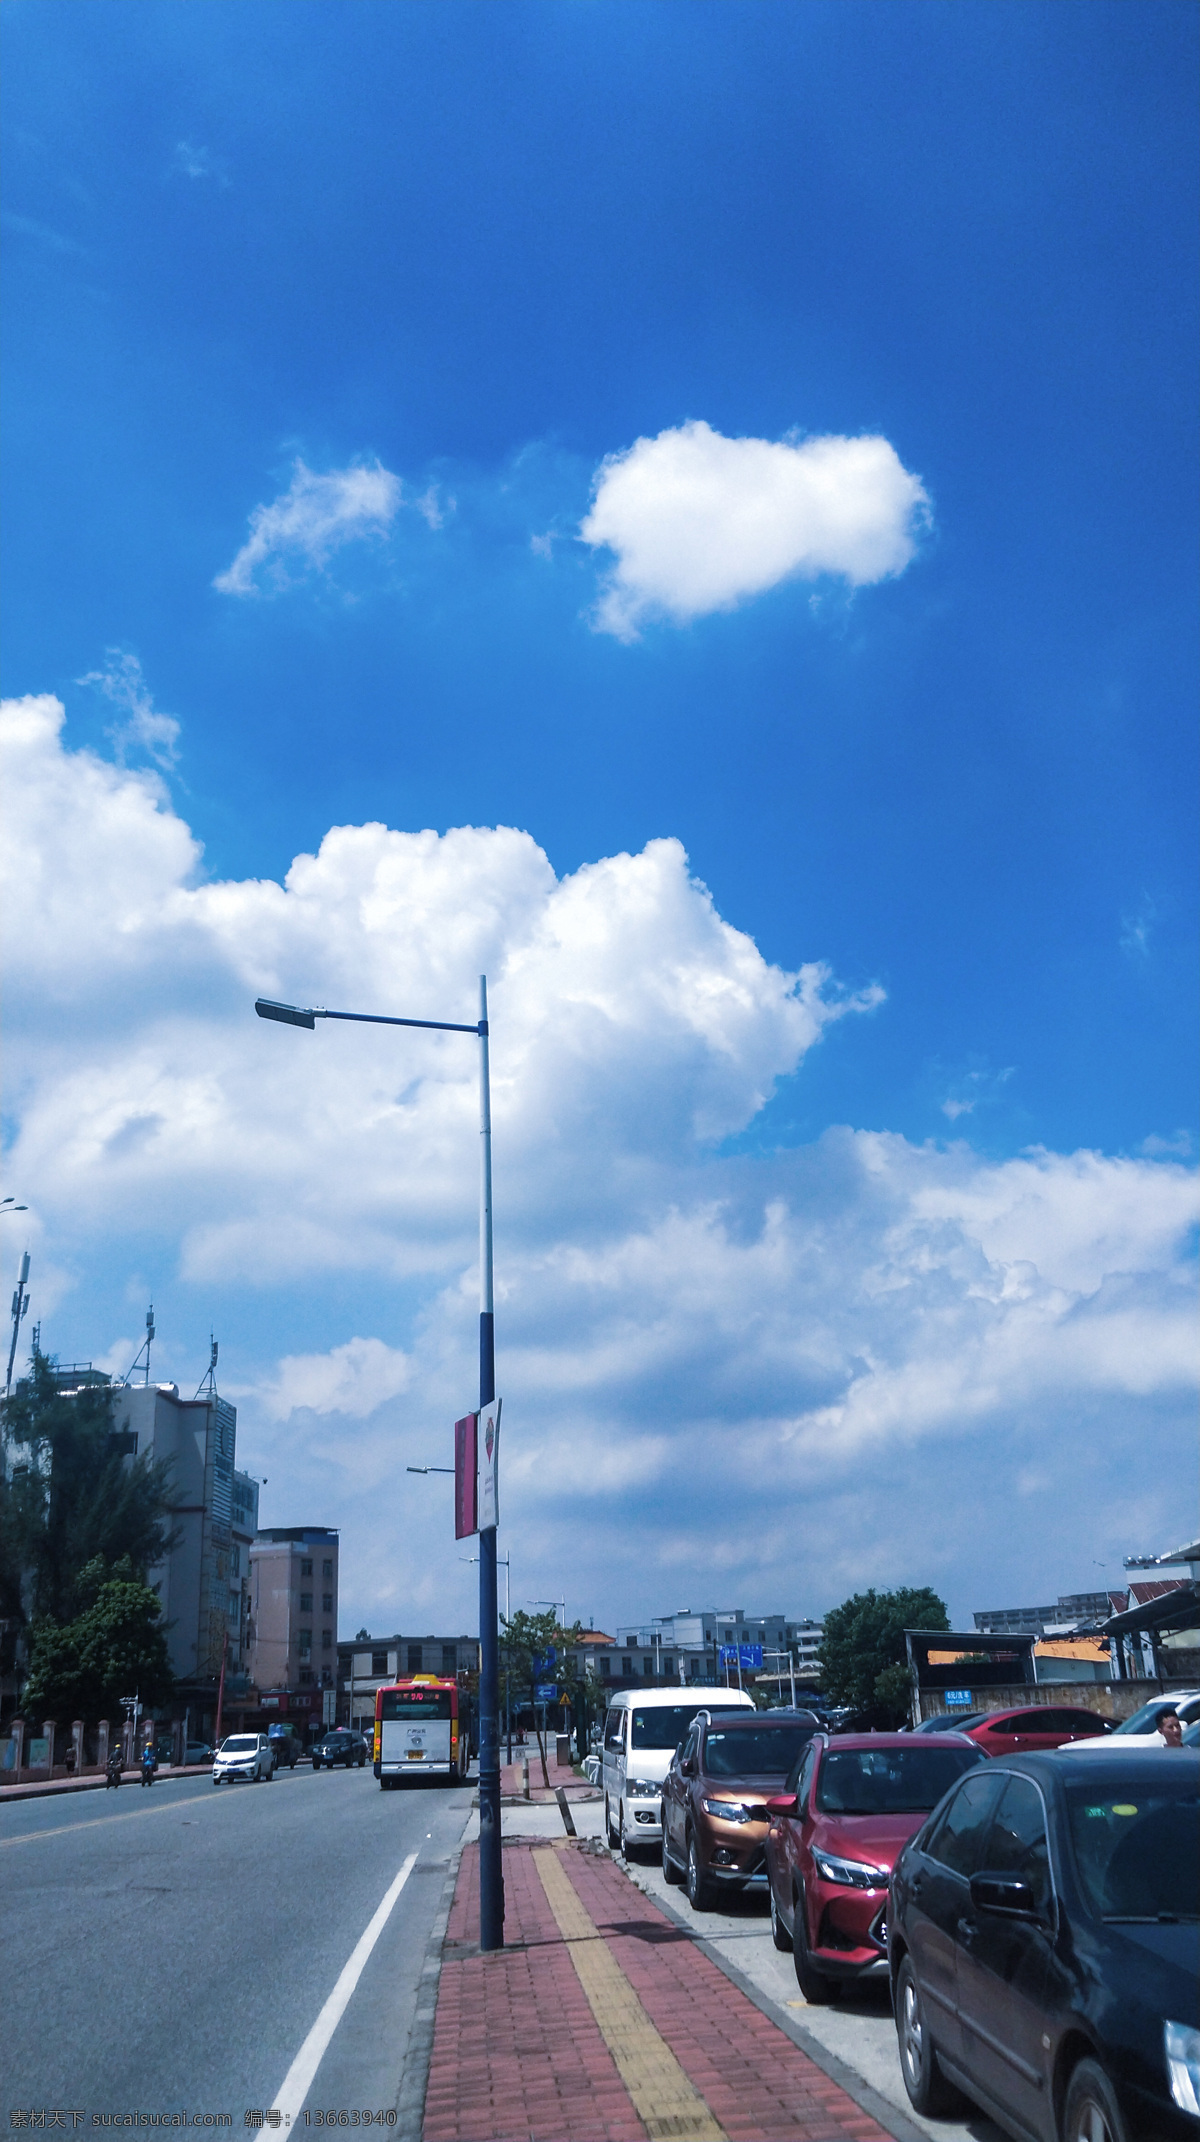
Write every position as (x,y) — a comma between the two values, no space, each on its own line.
(370,1662)
(292,1646)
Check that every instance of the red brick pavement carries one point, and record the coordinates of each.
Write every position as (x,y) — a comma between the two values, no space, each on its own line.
(519,2057)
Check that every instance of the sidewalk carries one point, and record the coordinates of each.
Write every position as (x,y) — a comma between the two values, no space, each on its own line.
(512,1778)
(602,2022)
(36,1788)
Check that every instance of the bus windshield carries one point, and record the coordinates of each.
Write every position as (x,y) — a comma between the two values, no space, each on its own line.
(415,1703)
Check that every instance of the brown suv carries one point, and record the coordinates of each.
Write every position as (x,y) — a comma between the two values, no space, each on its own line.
(714,1814)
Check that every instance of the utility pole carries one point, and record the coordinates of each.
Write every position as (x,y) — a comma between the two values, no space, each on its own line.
(20,1308)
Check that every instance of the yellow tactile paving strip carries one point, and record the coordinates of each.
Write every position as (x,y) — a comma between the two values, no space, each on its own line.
(663,2098)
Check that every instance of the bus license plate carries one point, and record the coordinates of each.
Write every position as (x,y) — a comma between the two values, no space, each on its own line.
(416,1755)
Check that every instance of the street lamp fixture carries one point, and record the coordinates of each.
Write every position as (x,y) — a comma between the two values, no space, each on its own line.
(491,1871)
(432,1469)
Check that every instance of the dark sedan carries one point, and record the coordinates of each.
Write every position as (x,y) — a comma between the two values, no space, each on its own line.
(341,1746)
(1044,1946)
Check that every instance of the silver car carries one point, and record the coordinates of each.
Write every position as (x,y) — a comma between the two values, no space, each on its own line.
(244,1755)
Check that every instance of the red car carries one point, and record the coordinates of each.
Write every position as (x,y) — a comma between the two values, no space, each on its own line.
(1042,1725)
(834,1838)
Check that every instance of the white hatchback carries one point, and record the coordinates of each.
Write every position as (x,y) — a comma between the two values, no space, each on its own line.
(244,1755)
(1141,1731)
(642,1729)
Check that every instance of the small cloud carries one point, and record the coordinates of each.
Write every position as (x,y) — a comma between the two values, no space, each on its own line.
(699,522)
(352,1379)
(25,227)
(1136,928)
(431,509)
(314,516)
(142,727)
(199,163)
(973,1089)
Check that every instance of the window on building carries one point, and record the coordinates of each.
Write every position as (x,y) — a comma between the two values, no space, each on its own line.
(648,1663)
(605,1667)
(306,1602)
(327,1639)
(626,1667)
(668,1664)
(414,1658)
(306,1569)
(379,1662)
(327,1566)
(326,1677)
(449,1660)
(327,1602)
(305,1642)
(306,1678)
(236,1562)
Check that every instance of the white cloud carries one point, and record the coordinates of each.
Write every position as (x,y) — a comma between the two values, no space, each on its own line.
(699,522)
(784,1375)
(142,727)
(197,162)
(315,516)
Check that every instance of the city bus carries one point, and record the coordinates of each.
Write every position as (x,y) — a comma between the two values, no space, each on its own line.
(422,1729)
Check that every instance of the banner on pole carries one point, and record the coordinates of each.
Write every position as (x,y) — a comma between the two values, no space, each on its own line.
(466,1476)
(488,1445)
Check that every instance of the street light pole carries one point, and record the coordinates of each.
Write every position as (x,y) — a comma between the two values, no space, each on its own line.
(491,1871)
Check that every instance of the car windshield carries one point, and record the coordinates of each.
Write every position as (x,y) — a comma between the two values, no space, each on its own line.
(754,1751)
(1145,1720)
(889,1781)
(240,1744)
(662,1725)
(1138,1848)
(420,1703)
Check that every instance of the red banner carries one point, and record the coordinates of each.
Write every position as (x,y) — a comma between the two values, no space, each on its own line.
(466,1476)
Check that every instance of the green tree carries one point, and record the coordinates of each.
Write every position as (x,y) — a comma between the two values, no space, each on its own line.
(863,1659)
(74,1495)
(114,1647)
(526,1639)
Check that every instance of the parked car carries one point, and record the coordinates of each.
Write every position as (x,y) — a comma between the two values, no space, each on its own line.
(849,1806)
(285,1746)
(244,1755)
(340,1746)
(642,1729)
(198,1751)
(1037,1725)
(950,1722)
(1044,1946)
(1142,1728)
(714,1797)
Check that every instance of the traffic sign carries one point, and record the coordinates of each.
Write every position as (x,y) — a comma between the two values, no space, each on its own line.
(959,1697)
(546,1692)
(748,1656)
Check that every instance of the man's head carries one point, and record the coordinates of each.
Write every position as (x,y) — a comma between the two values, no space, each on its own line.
(1170,1729)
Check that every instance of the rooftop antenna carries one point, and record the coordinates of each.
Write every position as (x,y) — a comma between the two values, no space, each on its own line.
(144,1348)
(208,1386)
(20,1308)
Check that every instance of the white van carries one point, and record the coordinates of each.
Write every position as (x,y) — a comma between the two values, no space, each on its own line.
(642,1729)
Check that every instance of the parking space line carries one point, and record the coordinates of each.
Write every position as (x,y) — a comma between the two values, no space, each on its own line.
(665,2101)
(297,2081)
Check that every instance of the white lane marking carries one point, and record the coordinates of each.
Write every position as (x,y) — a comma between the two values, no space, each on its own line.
(296,2083)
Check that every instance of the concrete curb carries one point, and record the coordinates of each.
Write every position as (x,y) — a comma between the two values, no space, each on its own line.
(414,2080)
(868,2100)
(48,1789)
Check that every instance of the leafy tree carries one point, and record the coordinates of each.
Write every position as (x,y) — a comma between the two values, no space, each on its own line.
(115,1647)
(74,1496)
(527,1638)
(863,1659)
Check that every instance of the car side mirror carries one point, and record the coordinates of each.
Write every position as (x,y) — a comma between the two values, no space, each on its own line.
(688,1767)
(1003,1892)
(781,1803)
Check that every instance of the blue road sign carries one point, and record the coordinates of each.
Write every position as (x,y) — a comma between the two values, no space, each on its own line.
(546,1692)
(544,1661)
(961,1697)
(748,1656)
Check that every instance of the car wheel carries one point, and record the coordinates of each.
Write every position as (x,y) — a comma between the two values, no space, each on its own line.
(699,1888)
(610,1833)
(818,1989)
(671,1873)
(1093,2114)
(924,2081)
(779,1933)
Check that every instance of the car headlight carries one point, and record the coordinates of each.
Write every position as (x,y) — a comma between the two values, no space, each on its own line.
(1182,2045)
(728,1810)
(851,1873)
(642,1788)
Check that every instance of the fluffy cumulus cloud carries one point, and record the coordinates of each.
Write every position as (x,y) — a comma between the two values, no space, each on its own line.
(767,1378)
(698,522)
(316,515)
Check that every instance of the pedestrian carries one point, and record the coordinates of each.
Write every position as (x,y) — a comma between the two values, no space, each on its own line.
(149,1763)
(1170,1729)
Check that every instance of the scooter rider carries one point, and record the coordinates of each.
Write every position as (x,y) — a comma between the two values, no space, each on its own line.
(112,1769)
(149,1763)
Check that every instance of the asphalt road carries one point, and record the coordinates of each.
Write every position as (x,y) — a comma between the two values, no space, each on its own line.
(172,1950)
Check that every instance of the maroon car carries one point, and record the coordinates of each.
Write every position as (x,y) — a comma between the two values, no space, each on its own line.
(851,1803)
(1038,1725)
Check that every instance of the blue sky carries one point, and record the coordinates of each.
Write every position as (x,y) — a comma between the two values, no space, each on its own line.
(410,285)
